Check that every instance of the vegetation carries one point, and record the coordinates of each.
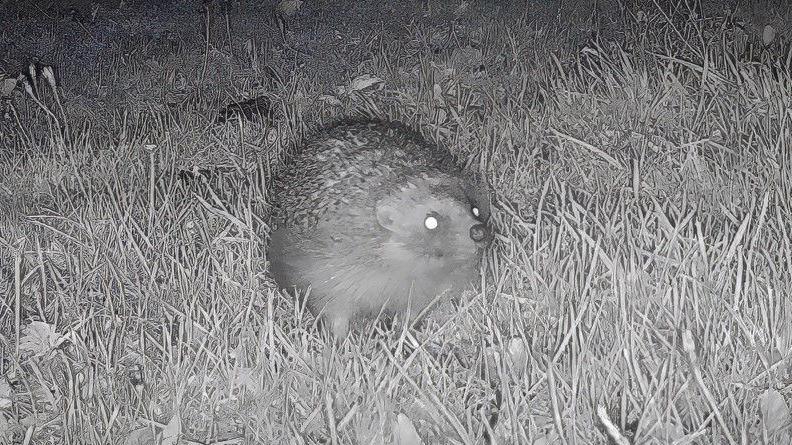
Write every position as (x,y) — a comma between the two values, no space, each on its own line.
(639,289)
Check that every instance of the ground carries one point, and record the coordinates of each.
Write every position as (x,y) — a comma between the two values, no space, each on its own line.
(639,288)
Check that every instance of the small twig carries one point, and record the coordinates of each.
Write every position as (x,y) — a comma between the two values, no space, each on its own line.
(608,158)
(611,429)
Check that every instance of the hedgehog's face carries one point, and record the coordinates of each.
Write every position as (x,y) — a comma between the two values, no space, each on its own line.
(429,227)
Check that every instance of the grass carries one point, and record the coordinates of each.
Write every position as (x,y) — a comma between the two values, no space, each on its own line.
(638,290)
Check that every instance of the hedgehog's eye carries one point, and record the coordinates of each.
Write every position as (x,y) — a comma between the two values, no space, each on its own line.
(475,211)
(430,222)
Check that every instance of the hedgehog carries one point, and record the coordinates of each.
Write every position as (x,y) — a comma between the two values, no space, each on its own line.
(374,220)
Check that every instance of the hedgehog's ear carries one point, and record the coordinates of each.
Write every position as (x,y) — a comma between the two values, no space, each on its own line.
(386,216)
(389,218)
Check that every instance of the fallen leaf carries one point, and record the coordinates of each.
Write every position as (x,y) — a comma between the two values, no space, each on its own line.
(768,34)
(404,432)
(547,439)
(140,436)
(667,432)
(775,411)
(5,430)
(288,8)
(172,431)
(7,86)
(248,378)
(518,353)
(359,83)
(5,395)
(43,395)
(461,8)
(437,95)
(330,100)
(441,115)
(39,338)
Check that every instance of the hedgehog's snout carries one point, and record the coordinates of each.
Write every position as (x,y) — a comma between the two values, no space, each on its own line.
(479,233)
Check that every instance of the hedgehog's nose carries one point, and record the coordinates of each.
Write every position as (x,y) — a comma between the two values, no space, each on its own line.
(479,233)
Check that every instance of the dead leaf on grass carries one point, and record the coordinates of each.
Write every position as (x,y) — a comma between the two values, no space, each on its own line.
(5,430)
(38,338)
(404,432)
(247,378)
(437,95)
(5,395)
(461,8)
(330,100)
(547,439)
(7,86)
(288,8)
(518,353)
(768,34)
(172,431)
(359,83)
(775,412)
(140,436)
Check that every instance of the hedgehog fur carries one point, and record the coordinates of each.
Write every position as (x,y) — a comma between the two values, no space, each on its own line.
(374,219)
